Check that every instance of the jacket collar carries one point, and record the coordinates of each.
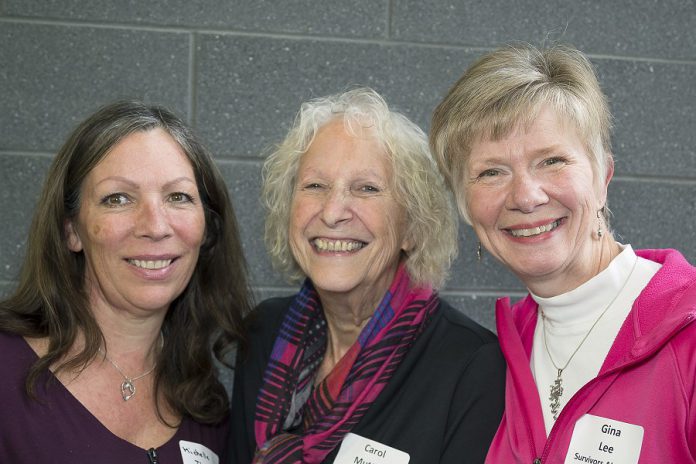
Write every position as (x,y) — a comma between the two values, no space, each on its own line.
(665,306)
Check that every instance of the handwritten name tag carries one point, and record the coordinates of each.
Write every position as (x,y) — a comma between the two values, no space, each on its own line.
(360,450)
(195,453)
(598,440)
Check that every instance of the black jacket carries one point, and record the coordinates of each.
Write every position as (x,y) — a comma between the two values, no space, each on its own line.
(443,404)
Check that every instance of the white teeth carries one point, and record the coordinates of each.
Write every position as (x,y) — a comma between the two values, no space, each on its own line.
(158,264)
(534,230)
(337,245)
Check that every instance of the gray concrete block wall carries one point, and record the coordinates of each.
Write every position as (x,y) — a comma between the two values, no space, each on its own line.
(237,71)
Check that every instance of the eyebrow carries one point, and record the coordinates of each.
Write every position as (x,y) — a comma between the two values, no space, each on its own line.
(358,173)
(136,186)
(554,148)
(548,150)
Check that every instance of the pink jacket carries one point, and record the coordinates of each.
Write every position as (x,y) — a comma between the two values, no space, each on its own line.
(648,378)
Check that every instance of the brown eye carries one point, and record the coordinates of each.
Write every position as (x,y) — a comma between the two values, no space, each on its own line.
(180,197)
(489,173)
(115,199)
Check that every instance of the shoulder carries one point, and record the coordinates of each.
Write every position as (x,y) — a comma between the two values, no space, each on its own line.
(14,347)
(262,326)
(268,315)
(672,289)
(456,320)
(455,339)
(16,358)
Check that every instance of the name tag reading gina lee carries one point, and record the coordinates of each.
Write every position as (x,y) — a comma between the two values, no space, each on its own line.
(360,450)
(599,440)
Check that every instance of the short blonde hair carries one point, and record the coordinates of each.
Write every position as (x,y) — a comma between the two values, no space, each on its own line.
(506,88)
(418,186)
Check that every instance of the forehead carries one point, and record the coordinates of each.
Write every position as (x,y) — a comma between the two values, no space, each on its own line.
(144,153)
(343,148)
(536,131)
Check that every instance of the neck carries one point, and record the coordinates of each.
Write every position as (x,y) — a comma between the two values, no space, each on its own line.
(132,345)
(346,316)
(343,328)
(599,253)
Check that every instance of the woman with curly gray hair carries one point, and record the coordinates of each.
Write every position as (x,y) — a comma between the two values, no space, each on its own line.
(366,359)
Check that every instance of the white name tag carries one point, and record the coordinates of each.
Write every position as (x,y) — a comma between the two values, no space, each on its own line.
(360,450)
(597,440)
(195,453)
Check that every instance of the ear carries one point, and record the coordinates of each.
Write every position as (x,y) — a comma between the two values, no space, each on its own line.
(607,179)
(407,245)
(73,239)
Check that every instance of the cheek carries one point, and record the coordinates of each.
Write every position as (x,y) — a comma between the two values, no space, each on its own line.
(100,232)
(190,228)
(393,226)
(482,211)
(301,213)
(295,229)
(199,232)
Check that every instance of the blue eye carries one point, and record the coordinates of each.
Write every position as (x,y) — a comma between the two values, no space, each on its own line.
(553,160)
(369,189)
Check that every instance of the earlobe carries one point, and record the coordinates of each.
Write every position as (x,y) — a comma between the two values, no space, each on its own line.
(72,238)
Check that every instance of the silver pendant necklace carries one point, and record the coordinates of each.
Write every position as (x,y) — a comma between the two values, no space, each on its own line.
(128,385)
(556,388)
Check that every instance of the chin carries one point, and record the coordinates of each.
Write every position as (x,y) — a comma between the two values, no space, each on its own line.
(332,288)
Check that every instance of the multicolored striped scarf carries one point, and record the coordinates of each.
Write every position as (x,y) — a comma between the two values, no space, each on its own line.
(296,423)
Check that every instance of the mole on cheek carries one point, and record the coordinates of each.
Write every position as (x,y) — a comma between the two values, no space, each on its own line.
(96,230)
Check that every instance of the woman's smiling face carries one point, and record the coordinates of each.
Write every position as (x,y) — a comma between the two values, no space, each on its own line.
(533,198)
(140,225)
(346,228)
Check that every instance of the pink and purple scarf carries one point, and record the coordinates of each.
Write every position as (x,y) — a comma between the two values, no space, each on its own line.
(296,423)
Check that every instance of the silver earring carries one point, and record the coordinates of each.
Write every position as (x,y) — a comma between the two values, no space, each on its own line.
(599,225)
(479,252)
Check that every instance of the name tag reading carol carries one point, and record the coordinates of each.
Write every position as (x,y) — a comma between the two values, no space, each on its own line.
(360,450)
(598,440)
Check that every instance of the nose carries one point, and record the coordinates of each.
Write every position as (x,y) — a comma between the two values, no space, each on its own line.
(152,221)
(526,193)
(336,207)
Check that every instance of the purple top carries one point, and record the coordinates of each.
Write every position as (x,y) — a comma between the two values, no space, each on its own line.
(59,429)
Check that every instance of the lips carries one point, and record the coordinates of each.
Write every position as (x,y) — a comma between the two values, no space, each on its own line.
(532,231)
(325,244)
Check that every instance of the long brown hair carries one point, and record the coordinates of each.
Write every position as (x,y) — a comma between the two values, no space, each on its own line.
(51,300)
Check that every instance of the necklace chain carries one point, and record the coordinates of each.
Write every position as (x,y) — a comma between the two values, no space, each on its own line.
(556,388)
(127,386)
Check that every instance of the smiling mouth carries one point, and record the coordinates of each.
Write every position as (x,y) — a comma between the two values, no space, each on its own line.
(145,264)
(534,230)
(323,244)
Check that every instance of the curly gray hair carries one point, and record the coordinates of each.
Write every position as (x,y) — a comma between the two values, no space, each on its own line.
(419,187)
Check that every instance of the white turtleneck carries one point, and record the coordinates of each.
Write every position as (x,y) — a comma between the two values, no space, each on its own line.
(570,316)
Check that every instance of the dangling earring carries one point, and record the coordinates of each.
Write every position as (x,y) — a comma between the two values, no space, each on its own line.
(479,252)
(599,224)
